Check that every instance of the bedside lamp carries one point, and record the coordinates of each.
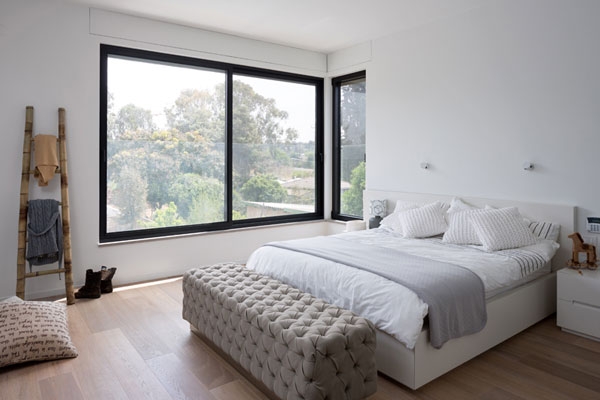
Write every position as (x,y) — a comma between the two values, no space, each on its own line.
(377,210)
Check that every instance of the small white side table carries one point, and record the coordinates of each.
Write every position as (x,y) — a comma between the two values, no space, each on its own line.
(578,308)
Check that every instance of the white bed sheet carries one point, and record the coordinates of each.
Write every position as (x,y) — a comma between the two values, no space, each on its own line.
(393,308)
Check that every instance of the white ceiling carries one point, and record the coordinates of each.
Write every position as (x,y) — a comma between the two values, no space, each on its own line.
(319,25)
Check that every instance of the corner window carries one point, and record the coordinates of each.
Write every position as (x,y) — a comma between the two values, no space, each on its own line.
(349,159)
(190,145)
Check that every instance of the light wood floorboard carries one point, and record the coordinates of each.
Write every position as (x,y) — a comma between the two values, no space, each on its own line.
(133,344)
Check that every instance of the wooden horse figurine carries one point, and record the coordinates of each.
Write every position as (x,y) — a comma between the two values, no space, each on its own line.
(580,247)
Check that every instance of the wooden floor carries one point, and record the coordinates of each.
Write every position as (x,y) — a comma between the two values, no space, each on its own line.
(133,344)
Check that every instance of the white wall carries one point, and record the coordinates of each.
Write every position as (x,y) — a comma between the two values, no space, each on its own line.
(475,95)
(478,94)
(49,59)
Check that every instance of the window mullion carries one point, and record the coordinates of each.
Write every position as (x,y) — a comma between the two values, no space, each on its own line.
(229,147)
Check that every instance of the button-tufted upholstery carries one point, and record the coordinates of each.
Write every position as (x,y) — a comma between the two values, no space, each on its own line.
(299,346)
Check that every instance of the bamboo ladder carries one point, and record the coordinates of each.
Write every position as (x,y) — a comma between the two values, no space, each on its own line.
(22,274)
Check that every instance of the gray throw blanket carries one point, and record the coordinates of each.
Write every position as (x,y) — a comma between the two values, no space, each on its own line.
(455,295)
(45,236)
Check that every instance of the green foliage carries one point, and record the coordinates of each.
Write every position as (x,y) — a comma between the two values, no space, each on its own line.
(132,118)
(198,199)
(177,174)
(208,209)
(130,196)
(257,119)
(239,206)
(352,126)
(258,130)
(309,160)
(199,111)
(165,216)
(160,170)
(264,188)
(352,199)
(353,108)
(302,173)
(237,215)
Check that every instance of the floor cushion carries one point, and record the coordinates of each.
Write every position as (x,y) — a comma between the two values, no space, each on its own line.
(33,331)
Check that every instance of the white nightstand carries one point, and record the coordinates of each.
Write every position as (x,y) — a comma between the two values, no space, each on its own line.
(578,308)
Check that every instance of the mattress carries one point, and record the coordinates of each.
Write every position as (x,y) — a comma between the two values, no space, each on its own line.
(393,308)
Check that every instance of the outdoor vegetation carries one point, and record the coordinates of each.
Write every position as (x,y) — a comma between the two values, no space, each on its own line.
(167,160)
(175,175)
(352,141)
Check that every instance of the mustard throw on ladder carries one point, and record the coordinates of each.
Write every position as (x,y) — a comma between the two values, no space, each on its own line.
(46,160)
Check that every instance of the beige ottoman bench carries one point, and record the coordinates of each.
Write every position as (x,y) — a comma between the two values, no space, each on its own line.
(298,346)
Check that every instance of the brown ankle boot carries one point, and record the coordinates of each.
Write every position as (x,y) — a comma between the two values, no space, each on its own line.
(106,281)
(91,289)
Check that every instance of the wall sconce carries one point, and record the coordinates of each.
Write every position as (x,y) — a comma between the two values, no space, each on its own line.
(425,165)
(527,166)
(377,210)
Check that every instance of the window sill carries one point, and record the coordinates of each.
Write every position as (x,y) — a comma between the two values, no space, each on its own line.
(212,233)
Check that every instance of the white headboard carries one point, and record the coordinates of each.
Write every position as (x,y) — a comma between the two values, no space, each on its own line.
(564,215)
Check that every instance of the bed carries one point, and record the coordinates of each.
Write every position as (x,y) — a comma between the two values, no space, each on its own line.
(510,308)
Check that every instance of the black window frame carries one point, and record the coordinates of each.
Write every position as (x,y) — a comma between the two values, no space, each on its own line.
(336,205)
(230,70)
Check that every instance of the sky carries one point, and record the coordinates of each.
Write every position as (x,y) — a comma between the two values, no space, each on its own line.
(155,86)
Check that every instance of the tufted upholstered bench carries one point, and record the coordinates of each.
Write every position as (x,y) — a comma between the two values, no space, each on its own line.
(298,346)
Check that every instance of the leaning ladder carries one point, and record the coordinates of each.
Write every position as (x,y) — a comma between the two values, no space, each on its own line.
(22,274)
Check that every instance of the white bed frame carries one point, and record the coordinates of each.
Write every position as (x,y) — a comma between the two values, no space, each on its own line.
(508,313)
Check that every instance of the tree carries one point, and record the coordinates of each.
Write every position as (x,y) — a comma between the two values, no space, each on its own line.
(210,207)
(160,171)
(263,188)
(185,162)
(353,106)
(111,118)
(131,118)
(258,126)
(256,119)
(198,199)
(130,196)
(352,126)
(170,153)
(165,216)
(352,199)
(258,130)
(199,111)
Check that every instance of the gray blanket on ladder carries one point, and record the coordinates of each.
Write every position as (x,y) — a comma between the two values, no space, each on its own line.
(455,295)
(45,236)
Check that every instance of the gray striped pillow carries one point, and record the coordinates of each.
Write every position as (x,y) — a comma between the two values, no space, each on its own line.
(545,230)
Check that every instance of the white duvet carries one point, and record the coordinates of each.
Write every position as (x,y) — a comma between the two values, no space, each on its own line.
(392,307)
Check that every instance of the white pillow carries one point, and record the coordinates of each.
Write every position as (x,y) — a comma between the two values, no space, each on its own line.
(424,221)
(391,221)
(502,228)
(402,205)
(460,230)
(457,205)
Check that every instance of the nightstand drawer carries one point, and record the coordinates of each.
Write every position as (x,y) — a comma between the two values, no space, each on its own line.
(578,317)
(583,288)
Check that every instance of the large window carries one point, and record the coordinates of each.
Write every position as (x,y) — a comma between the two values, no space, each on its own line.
(349,129)
(190,145)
